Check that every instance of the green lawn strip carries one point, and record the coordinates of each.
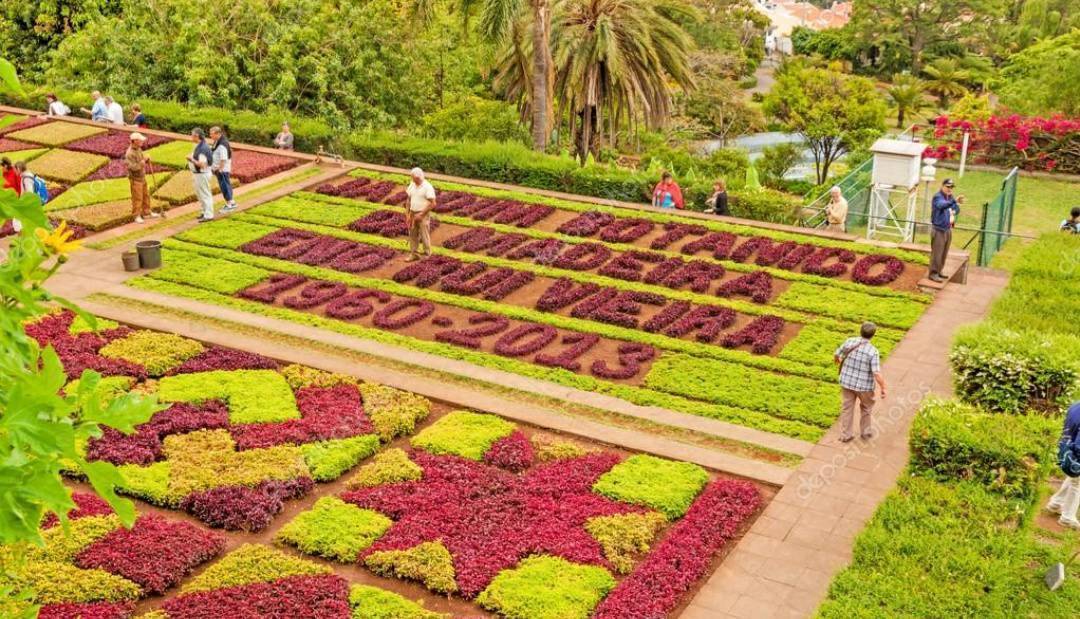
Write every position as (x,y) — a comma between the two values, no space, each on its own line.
(238,260)
(851,305)
(10,119)
(790,397)
(143,231)
(661,218)
(949,550)
(730,265)
(569,409)
(644,397)
(1042,294)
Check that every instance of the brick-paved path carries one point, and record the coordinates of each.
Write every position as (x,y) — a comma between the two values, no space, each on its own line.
(783,566)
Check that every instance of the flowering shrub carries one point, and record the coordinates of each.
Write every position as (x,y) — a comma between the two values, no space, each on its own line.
(547,588)
(660,582)
(243,508)
(1032,143)
(388,467)
(891,269)
(513,452)
(761,334)
(461,433)
(249,166)
(113,144)
(155,553)
(315,597)
(334,529)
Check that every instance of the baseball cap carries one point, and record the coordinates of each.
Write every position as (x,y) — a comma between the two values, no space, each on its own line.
(948,183)
(138,136)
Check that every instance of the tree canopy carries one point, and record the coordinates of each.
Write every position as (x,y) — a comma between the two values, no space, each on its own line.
(1045,78)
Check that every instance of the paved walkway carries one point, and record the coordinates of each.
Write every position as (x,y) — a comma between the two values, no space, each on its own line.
(783,566)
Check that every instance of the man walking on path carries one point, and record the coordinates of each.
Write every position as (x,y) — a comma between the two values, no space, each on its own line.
(860,368)
(944,209)
(221,165)
(135,161)
(418,216)
(199,166)
(1066,501)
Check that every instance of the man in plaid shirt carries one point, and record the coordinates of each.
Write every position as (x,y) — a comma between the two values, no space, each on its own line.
(860,368)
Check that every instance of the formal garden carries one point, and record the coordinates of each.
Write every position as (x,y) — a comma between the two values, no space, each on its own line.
(579,404)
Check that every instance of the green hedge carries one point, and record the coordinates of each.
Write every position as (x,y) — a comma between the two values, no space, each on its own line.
(1007,454)
(1014,371)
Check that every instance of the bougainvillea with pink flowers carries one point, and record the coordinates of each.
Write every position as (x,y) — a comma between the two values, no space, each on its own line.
(1006,140)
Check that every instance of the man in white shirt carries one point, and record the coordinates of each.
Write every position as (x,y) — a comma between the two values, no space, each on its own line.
(99,112)
(199,162)
(116,112)
(418,214)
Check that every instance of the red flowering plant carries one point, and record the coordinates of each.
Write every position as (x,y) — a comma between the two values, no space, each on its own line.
(1007,140)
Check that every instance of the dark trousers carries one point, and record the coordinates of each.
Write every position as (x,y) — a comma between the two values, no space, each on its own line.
(940,240)
(225,185)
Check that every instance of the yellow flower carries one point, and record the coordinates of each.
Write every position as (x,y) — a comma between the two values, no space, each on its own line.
(56,242)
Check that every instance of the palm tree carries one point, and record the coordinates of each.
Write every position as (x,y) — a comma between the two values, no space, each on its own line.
(618,58)
(502,21)
(946,79)
(906,93)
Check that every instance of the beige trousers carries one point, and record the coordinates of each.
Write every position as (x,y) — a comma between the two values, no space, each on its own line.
(140,198)
(420,234)
(849,400)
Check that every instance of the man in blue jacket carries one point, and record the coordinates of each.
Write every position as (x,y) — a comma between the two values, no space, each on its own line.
(943,210)
(1067,499)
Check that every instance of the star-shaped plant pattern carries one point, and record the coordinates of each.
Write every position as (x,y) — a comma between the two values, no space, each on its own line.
(490,519)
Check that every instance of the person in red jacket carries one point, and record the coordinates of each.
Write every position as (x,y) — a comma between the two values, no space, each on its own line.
(667,194)
(11,176)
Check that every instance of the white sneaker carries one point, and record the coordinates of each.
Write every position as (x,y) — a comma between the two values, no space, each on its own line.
(1053,508)
(138,220)
(155,215)
(1069,523)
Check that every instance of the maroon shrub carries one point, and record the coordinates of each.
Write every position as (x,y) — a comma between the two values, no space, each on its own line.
(631,356)
(297,597)
(403,313)
(113,144)
(761,334)
(86,505)
(156,553)
(326,413)
(220,358)
(513,452)
(891,268)
(815,264)
(242,508)
(88,610)
(756,285)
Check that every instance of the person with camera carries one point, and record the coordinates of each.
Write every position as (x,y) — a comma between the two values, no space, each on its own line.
(1066,501)
(945,207)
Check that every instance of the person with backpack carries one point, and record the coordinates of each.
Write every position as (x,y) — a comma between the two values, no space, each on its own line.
(1066,501)
(136,163)
(860,368)
(32,183)
(11,176)
(56,106)
(222,167)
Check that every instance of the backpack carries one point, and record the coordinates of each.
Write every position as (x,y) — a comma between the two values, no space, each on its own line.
(1068,461)
(41,189)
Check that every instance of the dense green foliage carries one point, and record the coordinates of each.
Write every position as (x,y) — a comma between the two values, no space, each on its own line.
(1045,78)
(334,529)
(462,433)
(374,603)
(1007,454)
(665,485)
(544,587)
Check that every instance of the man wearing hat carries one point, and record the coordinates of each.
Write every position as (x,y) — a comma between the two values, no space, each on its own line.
(944,209)
(136,172)
(418,214)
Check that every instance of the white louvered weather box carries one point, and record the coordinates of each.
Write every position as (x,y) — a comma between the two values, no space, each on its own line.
(897,163)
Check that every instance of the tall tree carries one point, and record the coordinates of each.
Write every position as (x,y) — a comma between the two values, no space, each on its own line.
(921,24)
(835,113)
(29,31)
(906,93)
(1044,78)
(946,79)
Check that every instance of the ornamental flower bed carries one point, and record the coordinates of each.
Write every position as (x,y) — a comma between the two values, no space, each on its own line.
(116,168)
(471,511)
(114,144)
(94,567)
(52,132)
(67,166)
(249,166)
(240,434)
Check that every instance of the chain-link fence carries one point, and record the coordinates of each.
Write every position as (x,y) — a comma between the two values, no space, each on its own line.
(997,219)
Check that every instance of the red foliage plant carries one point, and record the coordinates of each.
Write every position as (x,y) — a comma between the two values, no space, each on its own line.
(297,597)
(86,504)
(242,508)
(88,610)
(113,144)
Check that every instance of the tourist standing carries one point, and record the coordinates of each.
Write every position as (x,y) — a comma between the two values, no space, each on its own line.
(136,161)
(718,201)
(115,111)
(284,140)
(11,176)
(944,209)
(221,165)
(418,215)
(137,117)
(199,162)
(667,194)
(860,369)
(99,111)
(56,106)
(836,211)
(1066,501)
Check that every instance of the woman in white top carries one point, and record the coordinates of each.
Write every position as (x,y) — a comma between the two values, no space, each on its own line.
(56,106)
